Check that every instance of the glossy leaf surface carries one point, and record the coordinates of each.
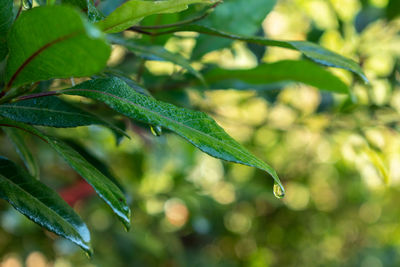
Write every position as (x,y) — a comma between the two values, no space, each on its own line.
(41,204)
(196,127)
(69,47)
(107,190)
(52,111)
(17,138)
(132,12)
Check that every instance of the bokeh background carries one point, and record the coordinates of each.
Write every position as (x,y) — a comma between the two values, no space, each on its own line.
(339,161)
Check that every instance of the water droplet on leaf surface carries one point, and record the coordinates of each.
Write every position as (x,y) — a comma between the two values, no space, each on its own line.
(156,130)
(279,191)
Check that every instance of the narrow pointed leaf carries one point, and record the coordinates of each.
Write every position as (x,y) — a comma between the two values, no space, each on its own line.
(6,19)
(132,12)
(283,71)
(107,190)
(69,47)
(313,51)
(54,112)
(17,138)
(196,127)
(41,204)
(92,159)
(156,53)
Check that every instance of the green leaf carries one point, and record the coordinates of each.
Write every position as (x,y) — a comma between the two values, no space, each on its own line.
(196,127)
(282,71)
(69,47)
(17,138)
(92,159)
(107,190)
(156,53)
(54,112)
(41,204)
(6,20)
(313,51)
(132,12)
(87,6)
(234,16)
(392,9)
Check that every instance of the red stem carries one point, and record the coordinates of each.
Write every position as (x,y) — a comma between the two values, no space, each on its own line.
(43,94)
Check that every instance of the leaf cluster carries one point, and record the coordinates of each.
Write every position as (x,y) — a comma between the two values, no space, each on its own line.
(73,39)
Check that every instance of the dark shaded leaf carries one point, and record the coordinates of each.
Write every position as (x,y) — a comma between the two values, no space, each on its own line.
(313,51)
(393,9)
(96,162)
(6,20)
(54,112)
(41,204)
(156,53)
(108,191)
(17,138)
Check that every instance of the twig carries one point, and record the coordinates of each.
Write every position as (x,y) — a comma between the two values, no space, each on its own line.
(19,10)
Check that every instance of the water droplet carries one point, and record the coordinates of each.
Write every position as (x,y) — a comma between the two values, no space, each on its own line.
(156,130)
(279,191)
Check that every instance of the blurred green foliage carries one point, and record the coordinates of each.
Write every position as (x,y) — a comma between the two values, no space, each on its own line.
(339,161)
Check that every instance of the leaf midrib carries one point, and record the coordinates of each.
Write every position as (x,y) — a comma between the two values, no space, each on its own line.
(38,52)
(42,204)
(258,161)
(46,109)
(142,16)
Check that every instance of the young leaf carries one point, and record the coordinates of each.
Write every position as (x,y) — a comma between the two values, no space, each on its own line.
(156,53)
(29,160)
(313,51)
(68,47)
(108,191)
(282,71)
(6,19)
(41,204)
(131,12)
(196,127)
(54,112)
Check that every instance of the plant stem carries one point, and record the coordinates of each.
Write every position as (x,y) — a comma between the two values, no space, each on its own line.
(43,94)
(19,11)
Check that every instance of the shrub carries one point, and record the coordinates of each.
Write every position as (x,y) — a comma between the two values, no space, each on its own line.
(42,47)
